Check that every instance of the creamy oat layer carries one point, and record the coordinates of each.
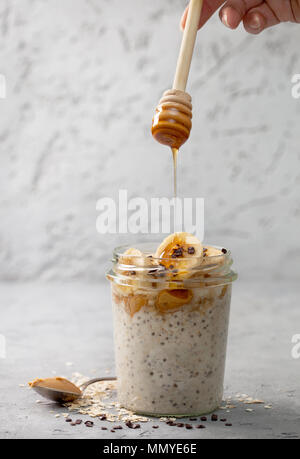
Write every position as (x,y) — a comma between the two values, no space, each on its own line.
(171,312)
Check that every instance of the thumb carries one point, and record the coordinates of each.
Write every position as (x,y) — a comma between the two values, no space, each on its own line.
(208,9)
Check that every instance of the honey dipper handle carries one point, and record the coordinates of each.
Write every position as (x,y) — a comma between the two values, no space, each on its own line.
(187,45)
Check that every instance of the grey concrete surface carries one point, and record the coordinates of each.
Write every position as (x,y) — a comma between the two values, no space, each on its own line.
(83,79)
(48,325)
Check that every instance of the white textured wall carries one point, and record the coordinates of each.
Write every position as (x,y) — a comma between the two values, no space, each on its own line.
(83,78)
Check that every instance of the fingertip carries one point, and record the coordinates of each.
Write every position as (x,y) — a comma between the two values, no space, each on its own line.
(183,20)
(230,17)
(254,22)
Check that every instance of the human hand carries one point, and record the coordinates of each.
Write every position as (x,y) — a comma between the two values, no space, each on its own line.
(257,15)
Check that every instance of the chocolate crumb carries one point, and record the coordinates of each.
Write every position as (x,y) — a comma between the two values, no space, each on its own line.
(223,420)
(132,426)
(228,425)
(188,426)
(177,253)
(214,417)
(133,273)
(73,423)
(224,251)
(118,427)
(155,427)
(191,250)
(171,423)
(203,418)
(68,420)
(200,426)
(103,428)
(103,418)
(180,424)
(78,421)
(193,419)
(89,423)
(112,430)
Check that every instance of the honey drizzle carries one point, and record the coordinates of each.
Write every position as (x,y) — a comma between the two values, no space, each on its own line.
(175,156)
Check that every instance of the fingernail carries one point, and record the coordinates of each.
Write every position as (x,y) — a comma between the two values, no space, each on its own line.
(224,18)
(230,17)
(255,22)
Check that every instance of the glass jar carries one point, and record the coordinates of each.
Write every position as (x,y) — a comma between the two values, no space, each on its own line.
(170,332)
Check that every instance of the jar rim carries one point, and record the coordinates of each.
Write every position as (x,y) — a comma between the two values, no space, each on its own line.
(215,271)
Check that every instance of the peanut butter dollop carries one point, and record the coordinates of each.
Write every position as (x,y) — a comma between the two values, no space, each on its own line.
(57,383)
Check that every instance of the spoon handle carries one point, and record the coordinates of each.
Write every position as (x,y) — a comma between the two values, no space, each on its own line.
(92,381)
(187,45)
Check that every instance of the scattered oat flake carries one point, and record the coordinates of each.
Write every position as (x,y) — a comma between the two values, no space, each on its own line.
(249,410)
(97,402)
(57,415)
(268,407)
(69,364)
(254,402)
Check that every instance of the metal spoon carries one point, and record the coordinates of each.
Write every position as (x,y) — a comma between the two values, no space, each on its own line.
(61,396)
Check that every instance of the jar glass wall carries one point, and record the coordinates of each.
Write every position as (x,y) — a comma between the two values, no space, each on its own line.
(170,333)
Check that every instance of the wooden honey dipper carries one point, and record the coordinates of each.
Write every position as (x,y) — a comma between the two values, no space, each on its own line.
(171,124)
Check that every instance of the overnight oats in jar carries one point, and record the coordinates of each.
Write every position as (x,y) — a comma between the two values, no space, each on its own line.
(171,311)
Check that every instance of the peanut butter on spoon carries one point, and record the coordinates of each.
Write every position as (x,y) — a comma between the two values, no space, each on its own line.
(56,383)
(60,389)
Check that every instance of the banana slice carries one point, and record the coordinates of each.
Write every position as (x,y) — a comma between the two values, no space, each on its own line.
(140,263)
(210,251)
(169,300)
(133,303)
(213,259)
(137,267)
(213,256)
(179,253)
(132,257)
(135,258)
